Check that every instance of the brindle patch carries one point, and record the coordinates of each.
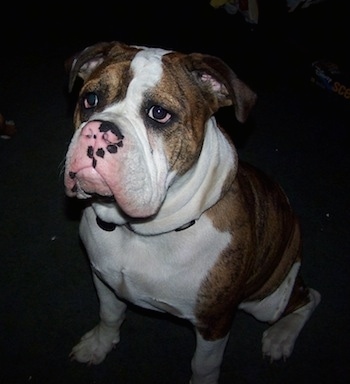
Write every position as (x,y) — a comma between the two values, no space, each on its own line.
(189,106)
(110,83)
(265,244)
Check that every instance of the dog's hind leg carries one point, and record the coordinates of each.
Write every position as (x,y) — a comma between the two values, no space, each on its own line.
(278,340)
(95,344)
(287,309)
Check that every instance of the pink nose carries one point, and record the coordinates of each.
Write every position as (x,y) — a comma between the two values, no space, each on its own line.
(101,136)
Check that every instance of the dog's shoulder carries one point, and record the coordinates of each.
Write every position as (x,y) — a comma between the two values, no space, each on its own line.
(252,196)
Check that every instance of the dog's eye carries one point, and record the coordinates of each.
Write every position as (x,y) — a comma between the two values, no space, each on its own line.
(90,100)
(159,114)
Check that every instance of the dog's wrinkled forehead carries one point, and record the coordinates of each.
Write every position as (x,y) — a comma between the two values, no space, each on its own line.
(118,79)
(147,71)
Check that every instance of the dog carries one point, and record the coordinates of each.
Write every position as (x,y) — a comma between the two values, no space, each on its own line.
(174,222)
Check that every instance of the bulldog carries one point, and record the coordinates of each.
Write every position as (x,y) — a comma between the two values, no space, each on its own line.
(174,222)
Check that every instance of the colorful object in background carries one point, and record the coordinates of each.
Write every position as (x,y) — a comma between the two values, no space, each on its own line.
(250,8)
(329,76)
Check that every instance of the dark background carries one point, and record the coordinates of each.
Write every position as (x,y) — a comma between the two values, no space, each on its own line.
(298,133)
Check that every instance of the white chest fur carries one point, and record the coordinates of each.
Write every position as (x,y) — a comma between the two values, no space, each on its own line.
(161,272)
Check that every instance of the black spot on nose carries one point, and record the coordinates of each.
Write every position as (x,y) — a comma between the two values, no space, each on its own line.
(90,151)
(112,148)
(108,126)
(100,152)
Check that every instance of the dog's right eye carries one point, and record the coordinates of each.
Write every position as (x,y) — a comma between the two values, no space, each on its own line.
(90,100)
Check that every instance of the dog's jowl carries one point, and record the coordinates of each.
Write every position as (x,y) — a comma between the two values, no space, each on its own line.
(174,222)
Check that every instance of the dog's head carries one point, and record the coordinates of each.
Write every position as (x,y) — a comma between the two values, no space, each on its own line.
(141,121)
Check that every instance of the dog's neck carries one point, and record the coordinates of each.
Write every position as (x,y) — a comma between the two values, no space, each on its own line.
(192,193)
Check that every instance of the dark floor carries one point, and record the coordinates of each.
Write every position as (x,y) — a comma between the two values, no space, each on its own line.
(298,133)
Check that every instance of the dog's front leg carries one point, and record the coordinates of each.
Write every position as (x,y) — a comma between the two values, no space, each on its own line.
(95,344)
(207,360)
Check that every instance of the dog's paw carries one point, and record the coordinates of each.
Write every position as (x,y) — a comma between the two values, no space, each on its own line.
(278,340)
(94,345)
(277,344)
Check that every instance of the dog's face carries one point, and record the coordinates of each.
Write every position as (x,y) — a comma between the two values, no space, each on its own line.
(141,120)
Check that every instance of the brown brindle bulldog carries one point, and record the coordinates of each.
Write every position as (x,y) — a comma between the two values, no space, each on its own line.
(175,222)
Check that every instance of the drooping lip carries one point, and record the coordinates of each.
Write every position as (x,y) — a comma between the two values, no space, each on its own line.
(85,183)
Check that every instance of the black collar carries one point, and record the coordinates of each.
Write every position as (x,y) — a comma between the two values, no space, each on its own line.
(109,227)
(185,226)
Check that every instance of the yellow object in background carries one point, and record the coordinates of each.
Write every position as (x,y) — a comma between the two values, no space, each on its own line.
(218,3)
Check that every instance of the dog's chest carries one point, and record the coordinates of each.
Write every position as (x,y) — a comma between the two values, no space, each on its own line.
(162,272)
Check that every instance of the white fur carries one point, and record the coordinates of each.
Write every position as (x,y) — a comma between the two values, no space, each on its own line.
(174,262)
(206,364)
(124,263)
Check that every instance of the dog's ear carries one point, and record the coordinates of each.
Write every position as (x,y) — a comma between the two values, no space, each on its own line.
(215,76)
(84,62)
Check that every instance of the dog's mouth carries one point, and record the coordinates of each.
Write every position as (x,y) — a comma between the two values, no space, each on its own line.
(85,187)
(103,199)
(87,183)
(82,193)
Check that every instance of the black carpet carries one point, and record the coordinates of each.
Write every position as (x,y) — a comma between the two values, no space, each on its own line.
(298,133)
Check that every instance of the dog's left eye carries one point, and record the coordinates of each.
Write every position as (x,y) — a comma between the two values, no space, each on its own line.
(159,114)
(90,100)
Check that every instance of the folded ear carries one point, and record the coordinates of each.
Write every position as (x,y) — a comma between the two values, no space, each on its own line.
(84,62)
(216,77)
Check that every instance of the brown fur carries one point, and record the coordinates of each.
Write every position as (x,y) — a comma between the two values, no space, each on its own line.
(265,244)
